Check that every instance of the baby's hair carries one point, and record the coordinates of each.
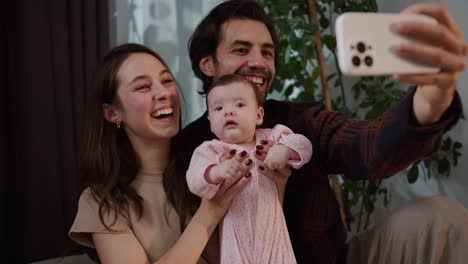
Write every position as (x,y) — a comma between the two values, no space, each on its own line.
(233,78)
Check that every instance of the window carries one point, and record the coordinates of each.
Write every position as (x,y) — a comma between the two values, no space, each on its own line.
(165,26)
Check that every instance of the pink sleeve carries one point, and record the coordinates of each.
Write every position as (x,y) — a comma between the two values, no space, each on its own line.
(206,155)
(296,142)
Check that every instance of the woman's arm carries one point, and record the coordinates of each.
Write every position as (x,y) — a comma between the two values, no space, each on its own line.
(125,248)
(192,242)
(119,248)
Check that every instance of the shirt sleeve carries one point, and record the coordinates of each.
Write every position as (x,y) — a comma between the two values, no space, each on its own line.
(296,142)
(87,221)
(205,156)
(371,149)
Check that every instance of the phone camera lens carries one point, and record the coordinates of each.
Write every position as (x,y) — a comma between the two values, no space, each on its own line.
(356,61)
(368,61)
(361,47)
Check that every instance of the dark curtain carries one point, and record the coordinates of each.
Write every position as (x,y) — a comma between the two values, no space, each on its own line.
(49,52)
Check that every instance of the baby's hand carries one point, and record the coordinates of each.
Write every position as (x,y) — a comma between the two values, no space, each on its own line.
(277,157)
(226,169)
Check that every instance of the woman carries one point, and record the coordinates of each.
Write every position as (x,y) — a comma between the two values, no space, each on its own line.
(133,203)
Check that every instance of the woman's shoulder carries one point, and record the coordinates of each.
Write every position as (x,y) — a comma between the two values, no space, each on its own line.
(90,218)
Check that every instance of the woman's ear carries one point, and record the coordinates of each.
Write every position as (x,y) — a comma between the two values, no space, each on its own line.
(110,113)
(206,65)
(260,113)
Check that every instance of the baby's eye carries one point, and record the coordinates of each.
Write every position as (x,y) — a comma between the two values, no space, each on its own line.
(218,108)
(240,105)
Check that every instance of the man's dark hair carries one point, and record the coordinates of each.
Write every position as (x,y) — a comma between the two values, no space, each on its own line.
(206,37)
(233,78)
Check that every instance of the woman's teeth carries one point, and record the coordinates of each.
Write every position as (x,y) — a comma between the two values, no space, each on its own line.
(163,112)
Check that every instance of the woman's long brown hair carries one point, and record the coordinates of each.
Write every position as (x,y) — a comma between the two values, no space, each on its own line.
(108,161)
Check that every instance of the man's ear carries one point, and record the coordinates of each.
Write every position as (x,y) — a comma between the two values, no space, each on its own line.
(110,113)
(206,65)
(260,113)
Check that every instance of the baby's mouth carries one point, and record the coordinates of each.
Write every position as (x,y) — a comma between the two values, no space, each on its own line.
(230,123)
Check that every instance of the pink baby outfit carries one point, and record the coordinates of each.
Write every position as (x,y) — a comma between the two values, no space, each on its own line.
(253,229)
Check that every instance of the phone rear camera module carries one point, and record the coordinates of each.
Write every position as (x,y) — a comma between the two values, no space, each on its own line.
(368,61)
(356,61)
(361,47)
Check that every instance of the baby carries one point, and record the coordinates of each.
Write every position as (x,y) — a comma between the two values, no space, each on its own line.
(254,229)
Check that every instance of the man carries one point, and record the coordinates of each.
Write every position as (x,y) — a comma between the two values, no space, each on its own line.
(238,37)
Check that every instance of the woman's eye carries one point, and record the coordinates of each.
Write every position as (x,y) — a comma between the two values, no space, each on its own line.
(167,81)
(142,87)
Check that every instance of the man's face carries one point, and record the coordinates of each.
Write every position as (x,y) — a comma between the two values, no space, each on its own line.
(246,48)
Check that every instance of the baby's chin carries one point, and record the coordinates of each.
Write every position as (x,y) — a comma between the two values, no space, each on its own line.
(247,143)
(233,140)
(237,138)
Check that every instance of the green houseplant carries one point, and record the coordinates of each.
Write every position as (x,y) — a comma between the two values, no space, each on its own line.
(297,79)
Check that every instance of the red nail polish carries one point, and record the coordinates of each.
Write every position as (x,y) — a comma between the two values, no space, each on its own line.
(232,152)
(263,142)
(258,152)
(248,162)
(261,168)
(243,153)
(248,174)
(258,147)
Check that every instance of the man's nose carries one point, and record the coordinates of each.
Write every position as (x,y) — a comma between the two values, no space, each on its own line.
(256,60)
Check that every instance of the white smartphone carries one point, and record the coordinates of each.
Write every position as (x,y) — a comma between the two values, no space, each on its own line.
(365,43)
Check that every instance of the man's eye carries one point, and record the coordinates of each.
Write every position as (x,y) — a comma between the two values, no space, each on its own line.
(241,51)
(218,108)
(268,54)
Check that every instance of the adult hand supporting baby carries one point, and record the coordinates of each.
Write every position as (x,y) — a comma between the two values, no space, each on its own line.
(229,187)
(280,176)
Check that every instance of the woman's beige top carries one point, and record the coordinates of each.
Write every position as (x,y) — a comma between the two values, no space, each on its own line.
(157,230)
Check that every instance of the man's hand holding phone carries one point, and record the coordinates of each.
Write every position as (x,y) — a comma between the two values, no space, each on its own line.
(430,55)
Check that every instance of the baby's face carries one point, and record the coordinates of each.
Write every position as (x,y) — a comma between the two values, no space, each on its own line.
(234,112)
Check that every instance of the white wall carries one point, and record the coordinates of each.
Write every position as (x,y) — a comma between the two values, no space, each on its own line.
(456,185)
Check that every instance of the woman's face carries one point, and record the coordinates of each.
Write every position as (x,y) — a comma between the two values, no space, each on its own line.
(148,103)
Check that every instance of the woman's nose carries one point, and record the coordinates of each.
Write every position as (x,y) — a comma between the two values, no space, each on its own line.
(160,93)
